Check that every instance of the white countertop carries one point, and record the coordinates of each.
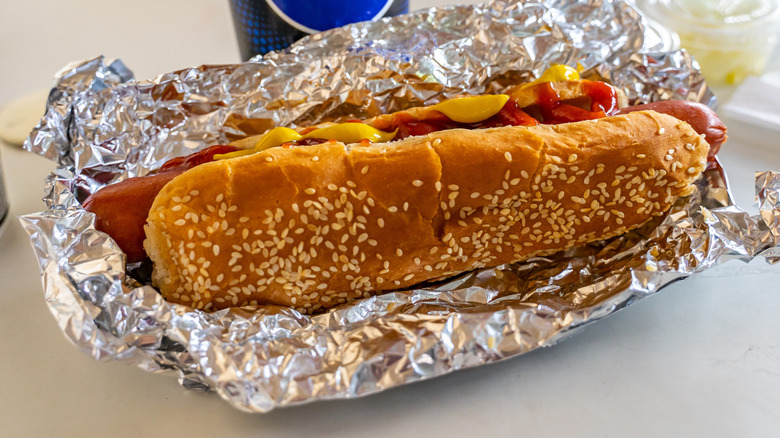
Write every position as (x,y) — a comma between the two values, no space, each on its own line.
(702,358)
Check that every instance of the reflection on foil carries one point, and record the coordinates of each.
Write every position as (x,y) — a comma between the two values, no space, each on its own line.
(101,126)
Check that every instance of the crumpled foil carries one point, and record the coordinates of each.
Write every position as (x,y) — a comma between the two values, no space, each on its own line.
(101,126)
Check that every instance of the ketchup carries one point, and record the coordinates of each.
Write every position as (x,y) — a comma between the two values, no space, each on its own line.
(409,127)
(603,102)
(196,159)
(602,96)
(510,115)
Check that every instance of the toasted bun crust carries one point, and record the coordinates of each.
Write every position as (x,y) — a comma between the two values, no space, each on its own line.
(312,227)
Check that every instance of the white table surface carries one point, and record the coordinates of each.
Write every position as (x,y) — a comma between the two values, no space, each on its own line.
(702,358)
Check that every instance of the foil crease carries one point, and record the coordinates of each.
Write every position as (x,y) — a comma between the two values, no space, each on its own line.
(102,126)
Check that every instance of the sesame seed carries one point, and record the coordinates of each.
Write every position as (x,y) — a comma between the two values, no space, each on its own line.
(417,183)
(691,170)
(364,170)
(508,156)
(690,147)
(661,131)
(641,156)
(315,158)
(309,191)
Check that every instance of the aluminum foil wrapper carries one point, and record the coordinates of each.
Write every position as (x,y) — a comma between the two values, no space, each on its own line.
(102,126)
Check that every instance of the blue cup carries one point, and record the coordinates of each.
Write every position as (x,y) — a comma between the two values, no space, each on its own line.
(265,25)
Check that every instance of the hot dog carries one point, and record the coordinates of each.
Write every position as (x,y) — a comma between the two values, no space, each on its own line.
(311,227)
(557,97)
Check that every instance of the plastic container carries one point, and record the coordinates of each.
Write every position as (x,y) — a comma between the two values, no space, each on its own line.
(730,39)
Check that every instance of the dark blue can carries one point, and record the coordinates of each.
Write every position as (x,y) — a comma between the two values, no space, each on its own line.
(266,25)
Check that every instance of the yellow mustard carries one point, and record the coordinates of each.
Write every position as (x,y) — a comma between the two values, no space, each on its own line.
(343,132)
(472,109)
(352,133)
(274,137)
(556,73)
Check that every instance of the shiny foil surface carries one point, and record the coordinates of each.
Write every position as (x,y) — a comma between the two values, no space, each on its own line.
(102,126)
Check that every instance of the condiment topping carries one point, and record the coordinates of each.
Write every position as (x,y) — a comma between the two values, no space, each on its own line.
(552,110)
(472,109)
(472,112)
(556,73)
(351,132)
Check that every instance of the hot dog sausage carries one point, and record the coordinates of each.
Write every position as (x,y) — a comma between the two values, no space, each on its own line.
(133,198)
(702,119)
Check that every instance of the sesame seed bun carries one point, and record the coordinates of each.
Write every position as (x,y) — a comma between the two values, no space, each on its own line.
(312,227)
